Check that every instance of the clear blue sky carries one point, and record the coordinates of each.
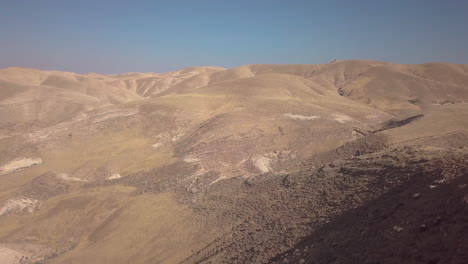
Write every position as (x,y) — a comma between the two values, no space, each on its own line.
(159,36)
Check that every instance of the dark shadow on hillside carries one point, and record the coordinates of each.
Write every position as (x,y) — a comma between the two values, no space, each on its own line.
(398,123)
(421,221)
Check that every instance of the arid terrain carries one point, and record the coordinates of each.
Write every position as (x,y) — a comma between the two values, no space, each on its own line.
(346,162)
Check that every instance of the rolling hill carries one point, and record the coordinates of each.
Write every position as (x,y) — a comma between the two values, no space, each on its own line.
(242,165)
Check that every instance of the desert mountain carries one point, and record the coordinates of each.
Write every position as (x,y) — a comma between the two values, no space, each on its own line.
(213,165)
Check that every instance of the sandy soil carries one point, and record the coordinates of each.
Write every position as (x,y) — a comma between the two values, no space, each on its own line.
(300,117)
(19,164)
(18,205)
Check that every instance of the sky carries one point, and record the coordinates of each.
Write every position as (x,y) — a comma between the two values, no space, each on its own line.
(160,36)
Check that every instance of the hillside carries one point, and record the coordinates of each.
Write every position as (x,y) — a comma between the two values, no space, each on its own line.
(255,164)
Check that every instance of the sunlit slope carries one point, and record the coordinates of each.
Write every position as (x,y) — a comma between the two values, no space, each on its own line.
(30,95)
(241,121)
(110,224)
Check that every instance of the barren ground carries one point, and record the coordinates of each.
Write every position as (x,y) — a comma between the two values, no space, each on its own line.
(345,162)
